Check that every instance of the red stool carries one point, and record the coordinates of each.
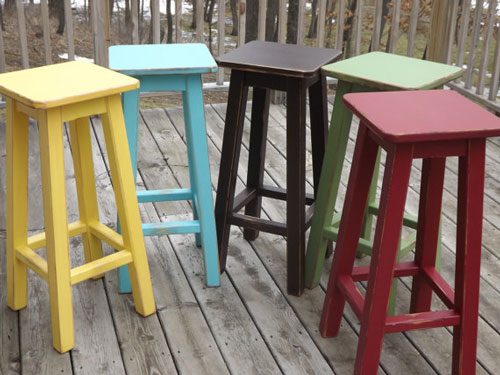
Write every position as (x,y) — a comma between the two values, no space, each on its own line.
(416,124)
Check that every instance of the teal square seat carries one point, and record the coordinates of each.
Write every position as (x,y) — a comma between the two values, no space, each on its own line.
(174,67)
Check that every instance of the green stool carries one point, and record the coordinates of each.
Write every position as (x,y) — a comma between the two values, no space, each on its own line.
(375,71)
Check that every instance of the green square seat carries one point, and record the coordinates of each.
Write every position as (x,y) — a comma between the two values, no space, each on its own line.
(375,71)
(387,72)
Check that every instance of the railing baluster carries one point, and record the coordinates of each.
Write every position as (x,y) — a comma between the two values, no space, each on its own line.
(242,21)
(178,21)
(134,16)
(358,27)
(495,76)
(476,28)
(68,16)
(451,30)
(221,34)
(44,10)
(300,21)
(155,19)
(282,21)
(394,35)
(377,25)
(486,46)
(340,24)
(199,21)
(21,23)
(98,19)
(462,35)
(3,65)
(261,27)
(412,31)
(320,42)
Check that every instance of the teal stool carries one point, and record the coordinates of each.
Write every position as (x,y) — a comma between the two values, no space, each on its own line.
(174,67)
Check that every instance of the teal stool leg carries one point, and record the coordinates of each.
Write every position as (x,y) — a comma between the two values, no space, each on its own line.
(200,166)
(192,176)
(130,102)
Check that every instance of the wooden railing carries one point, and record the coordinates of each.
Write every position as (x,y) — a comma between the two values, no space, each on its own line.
(461,33)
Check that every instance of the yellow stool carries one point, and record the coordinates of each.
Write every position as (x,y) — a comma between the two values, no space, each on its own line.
(52,95)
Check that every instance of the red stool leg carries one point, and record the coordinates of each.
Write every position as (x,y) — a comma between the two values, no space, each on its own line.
(431,193)
(350,229)
(385,248)
(467,272)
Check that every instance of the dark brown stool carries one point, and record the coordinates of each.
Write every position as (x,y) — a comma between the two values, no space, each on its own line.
(272,66)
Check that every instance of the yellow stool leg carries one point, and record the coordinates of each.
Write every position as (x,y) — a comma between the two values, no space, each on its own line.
(17,204)
(81,148)
(128,208)
(56,228)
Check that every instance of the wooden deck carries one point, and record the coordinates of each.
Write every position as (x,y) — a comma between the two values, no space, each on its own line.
(249,324)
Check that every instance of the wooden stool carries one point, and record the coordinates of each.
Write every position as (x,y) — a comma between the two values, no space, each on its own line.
(52,95)
(432,125)
(375,71)
(174,67)
(289,68)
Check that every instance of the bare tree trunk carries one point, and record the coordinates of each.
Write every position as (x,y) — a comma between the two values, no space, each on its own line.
(56,8)
(9,5)
(170,25)
(314,20)
(292,22)
(271,20)
(234,16)
(193,22)
(252,20)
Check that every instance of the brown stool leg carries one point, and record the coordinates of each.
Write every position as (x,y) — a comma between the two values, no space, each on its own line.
(295,180)
(318,111)
(350,228)
(228,172)
(257,154)
(385,249)
(467,271)
(431,193)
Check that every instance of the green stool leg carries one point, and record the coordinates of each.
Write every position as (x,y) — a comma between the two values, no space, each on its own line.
(331,172)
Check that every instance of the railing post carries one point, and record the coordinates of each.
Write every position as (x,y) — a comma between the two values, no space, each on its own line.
(440,30)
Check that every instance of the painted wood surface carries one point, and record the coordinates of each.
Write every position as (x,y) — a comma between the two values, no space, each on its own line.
(422,352)
(61,84)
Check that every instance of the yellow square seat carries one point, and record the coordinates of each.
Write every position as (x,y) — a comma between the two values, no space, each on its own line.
(52,95)
(61,84)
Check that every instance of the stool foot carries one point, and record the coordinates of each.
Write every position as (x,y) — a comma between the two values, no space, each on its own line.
(17,204)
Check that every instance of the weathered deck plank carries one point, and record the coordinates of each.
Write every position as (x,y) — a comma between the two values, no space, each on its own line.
(249,324)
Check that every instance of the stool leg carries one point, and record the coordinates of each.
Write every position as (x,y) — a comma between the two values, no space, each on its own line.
(467,271)
(429,211)
(128,208)
(385,249)
(195,126)
(81,148)
(326,197)
(318,112)
(56,229)
(191,161)
(295,181)
(17,204)
(230,155)
(350,228)
(130,102)
(257,154)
